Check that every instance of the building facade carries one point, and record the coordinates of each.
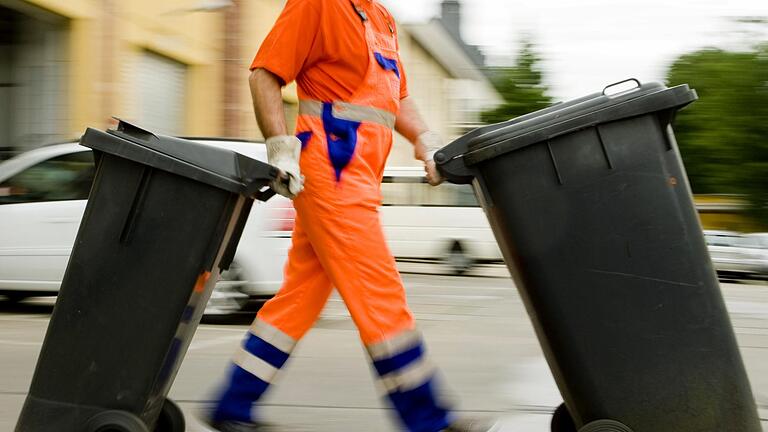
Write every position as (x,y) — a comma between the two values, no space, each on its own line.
(69,64)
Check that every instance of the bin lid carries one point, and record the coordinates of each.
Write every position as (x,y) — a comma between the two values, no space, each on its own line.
(566,117)
(219,167)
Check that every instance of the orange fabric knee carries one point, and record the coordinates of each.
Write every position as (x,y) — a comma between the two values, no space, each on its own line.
(306,288)
(350,244)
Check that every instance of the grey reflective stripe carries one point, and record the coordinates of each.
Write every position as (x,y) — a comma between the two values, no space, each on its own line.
(254,365)
(273,336)
(311,108)
(348,111)
(408,378)
(388,348)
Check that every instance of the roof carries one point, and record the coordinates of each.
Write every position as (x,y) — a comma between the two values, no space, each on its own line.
(436,39)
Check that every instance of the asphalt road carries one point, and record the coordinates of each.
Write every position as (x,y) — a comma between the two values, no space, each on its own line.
(476,329)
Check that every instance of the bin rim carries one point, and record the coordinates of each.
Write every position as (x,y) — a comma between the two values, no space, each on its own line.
(216,166)
(567,117)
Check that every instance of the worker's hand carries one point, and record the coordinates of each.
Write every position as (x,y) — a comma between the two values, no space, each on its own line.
(283,152)
(433,175)
(427,144)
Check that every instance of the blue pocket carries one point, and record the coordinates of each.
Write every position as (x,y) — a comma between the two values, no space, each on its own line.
(304,137)
(342,139)
(387,63)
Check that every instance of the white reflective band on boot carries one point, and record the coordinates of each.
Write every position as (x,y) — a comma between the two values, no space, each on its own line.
(408,378)
(272,335)
(254,365)
(388,348)
(348,111)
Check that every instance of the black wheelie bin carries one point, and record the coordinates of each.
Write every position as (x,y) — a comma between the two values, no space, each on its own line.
(163,218)
(590,204)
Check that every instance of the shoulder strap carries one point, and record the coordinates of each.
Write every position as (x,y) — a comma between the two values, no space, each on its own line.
(359,10)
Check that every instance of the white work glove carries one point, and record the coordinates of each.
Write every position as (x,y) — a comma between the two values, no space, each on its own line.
(427,144)
(283,152)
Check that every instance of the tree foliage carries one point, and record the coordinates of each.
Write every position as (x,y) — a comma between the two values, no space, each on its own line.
(520,86)
(723,137)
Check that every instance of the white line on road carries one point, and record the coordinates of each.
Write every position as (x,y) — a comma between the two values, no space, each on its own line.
(457,296)
(460,287)
(747,308)
(213,342)
(19,343)
(24,318)
(239,329)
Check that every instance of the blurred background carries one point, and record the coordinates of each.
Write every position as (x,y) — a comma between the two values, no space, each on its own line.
(180,67)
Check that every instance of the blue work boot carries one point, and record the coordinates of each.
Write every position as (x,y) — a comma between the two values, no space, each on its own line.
(264,351)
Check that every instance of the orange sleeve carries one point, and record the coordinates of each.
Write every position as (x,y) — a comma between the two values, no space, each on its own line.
(403,82)
(288,45)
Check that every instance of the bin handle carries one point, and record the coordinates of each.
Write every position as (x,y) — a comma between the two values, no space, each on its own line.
(622,82)
(265,195)
(266,192)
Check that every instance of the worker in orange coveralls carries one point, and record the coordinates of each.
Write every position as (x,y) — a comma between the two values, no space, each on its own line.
(352,87)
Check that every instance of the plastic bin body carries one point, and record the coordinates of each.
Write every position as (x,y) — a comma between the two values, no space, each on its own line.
(598,228)
(147,255)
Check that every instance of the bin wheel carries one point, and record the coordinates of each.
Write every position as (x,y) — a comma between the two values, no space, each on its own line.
(605,426)
(171,418)
(115,421)
(456,258)
(562,420)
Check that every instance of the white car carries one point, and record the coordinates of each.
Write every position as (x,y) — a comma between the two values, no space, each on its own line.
(43,194)
(752,252)
(443,224)
(736,255)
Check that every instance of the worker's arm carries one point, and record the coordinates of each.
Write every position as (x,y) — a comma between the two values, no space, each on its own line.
(268,102)
(283,150)
(411,125)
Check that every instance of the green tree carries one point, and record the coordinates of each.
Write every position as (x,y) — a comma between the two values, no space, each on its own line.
(519,85)
(723,137)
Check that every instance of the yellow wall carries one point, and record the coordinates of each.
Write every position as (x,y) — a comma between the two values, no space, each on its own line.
(68,8)
(82,73)
(167,27)
(724,212)
(101,86)
(428,87)
(727,221)
(258,19)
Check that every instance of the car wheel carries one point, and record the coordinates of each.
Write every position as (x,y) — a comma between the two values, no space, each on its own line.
(228,297)
(457,259)
(15,297)
(115,421)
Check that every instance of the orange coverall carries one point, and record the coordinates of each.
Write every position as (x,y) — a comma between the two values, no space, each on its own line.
(344,56)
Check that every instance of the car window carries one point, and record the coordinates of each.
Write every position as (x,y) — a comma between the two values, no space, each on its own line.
(414,191)
(720,240)
(747,242)
(751,241)
(66,177)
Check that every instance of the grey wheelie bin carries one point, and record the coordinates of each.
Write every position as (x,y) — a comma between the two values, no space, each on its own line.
(163,218)
(590,204)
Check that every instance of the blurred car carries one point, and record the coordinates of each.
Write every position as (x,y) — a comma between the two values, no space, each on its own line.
(442,224)
(752,250)
(43,194)
(739,256)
